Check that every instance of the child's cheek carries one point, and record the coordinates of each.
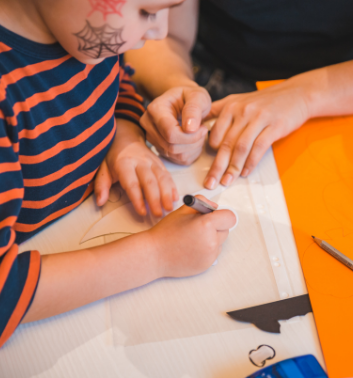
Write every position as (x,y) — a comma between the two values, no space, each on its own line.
(133,34)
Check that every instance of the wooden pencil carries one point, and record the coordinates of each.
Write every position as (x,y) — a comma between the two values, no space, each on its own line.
(334,252)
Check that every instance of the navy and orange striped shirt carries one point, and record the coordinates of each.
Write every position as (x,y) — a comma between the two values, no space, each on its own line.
(57,121)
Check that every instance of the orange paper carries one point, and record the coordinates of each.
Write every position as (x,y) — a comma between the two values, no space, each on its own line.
(315,165)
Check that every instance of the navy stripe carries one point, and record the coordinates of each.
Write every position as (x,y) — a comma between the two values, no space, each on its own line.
(13,288)
(134,109)
(11,208)
(4,237)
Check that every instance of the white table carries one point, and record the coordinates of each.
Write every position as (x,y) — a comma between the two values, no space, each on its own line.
(131,335)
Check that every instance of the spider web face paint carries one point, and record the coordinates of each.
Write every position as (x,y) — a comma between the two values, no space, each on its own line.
(99,42)
(107,7)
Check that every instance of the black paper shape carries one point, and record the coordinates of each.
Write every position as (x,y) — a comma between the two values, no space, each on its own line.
(266,316)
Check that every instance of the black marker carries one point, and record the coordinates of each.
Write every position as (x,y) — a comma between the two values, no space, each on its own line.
(198,204)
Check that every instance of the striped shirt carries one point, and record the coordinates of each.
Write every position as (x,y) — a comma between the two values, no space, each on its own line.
(57,121)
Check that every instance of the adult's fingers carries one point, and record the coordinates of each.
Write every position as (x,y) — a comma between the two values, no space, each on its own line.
(170,139)
(241,150)
(262,143)
(176,135)
(197,104)
(130,183)
(222,159)
(150,189)
(218,106)
(102,184)
(188,149)
(163,114)
(220,128)
(185,158)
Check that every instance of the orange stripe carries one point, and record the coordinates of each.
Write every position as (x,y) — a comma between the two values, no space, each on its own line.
(125,100)
(71,167)
(4,48)
(5,142)
(10,167)
(21,227)
(2,96)
(25,298)
(8,222)
(11,241)
(30,70)
(16,147)
(12,194)
(30,102)
(73,112)
(6,264)
(129,113)
(40,204)
(66,144)
(129,88)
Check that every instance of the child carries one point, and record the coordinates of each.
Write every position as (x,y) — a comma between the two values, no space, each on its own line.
(60,125)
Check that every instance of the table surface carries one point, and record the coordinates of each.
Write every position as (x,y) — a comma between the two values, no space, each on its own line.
(175,328)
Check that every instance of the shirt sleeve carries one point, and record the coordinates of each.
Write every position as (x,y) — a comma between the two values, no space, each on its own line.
(129,105)
(19,273)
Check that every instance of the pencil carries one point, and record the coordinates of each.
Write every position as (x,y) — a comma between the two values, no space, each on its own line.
(334,252)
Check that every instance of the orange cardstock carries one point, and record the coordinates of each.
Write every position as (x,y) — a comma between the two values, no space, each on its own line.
(315,164)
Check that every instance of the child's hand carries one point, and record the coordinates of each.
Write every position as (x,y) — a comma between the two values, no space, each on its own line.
(139,171)
(187,242)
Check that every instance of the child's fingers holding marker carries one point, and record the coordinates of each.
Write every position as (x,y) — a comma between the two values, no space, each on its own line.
(222,220)
(222,236)
(204,199)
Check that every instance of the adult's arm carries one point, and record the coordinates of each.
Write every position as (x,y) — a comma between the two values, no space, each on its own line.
(161,65)
(164,69)
(248,124)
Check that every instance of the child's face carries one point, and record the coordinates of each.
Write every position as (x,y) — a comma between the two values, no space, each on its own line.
(91,30)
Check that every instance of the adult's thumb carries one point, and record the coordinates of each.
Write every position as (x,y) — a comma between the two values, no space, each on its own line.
(197,105)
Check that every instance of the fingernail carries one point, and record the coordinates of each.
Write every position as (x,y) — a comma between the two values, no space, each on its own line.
(210,183)
(245,172)
(191,125)
(227,179)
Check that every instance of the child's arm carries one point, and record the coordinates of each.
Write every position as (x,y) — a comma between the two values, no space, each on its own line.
(184,243)
(19,273)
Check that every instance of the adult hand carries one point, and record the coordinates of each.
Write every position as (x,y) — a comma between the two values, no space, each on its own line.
(182,145)
(188,242)
(248,124)
(139,171)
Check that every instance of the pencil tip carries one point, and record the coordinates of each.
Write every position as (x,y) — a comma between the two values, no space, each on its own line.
(313,236)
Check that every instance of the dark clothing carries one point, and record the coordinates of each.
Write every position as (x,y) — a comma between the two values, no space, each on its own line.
(276,39)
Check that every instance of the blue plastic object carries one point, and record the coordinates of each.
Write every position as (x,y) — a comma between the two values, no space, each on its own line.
(299,367)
